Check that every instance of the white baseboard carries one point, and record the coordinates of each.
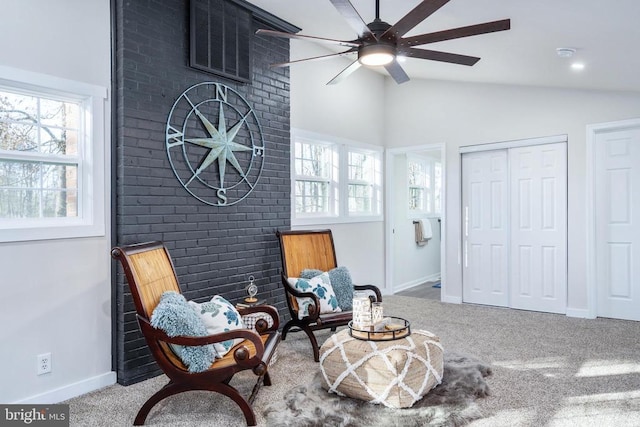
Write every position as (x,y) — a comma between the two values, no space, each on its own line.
(579,312)
(416,282)
(72,390)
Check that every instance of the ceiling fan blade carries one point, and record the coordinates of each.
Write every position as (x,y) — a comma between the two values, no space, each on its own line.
(345,73)
(433,55)
(353,18)
(456,33)
(315,58)
(395,70)
(348,43)
(413,18)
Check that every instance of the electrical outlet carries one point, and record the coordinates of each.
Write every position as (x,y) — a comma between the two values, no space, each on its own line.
(44,363)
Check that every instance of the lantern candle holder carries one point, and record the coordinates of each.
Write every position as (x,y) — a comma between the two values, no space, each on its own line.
(361,309)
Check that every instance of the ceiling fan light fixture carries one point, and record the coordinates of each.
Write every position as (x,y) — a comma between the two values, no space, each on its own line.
(376,54)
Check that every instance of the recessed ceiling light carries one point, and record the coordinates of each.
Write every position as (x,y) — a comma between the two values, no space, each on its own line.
(565,52)
(577,66)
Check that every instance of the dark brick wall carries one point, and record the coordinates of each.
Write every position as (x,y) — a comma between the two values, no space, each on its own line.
(214,248)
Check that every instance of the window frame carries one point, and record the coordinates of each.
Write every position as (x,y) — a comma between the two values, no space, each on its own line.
(339,185)
(91,157)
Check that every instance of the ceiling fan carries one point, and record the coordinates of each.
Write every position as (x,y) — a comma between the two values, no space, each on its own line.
(380,44)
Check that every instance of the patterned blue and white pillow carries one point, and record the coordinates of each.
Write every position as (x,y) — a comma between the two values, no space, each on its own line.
(319,285)
(219,315)
(341,282)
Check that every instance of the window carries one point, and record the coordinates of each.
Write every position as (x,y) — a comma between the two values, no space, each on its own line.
(425,185)
(313,165)
(334,180)
(50,182)
(362,170)
(39,169)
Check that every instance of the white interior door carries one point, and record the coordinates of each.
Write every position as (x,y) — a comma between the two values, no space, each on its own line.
(485,227)
(538,231)
(617,219)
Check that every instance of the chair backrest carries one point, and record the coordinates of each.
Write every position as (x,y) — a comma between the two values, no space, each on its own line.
(302,249)
(149,272)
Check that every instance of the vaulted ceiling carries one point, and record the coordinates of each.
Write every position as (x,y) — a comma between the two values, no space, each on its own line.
(605,35)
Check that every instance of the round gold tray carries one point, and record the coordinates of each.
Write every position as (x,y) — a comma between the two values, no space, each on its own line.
(396,328)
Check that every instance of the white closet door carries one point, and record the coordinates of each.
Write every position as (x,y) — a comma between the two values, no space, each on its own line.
(617,201)
(485,227)
(538,242)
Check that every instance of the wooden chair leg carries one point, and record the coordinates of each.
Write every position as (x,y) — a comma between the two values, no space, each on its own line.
(171,389)
(267,379)
(231,392)
(290,324)
(314,343)
(168,390)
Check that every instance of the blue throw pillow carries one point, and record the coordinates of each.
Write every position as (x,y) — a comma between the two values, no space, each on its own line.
(341,282)
(175,317)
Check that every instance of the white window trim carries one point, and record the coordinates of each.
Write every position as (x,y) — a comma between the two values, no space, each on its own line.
(90,221)
(340,214)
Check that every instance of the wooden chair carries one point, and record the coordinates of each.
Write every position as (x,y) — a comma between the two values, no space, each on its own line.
(150,272)
(304,249)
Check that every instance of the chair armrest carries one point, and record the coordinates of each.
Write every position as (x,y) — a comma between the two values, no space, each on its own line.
(158,334)
(314,308)
(262,325)
(371,288)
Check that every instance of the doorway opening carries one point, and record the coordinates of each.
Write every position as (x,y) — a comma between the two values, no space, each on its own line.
(415,194)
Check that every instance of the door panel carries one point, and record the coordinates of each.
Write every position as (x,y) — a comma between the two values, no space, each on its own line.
(484,193)
(538,232)
(617,175)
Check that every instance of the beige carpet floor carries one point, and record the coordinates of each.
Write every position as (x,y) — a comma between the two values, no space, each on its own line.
(548,370)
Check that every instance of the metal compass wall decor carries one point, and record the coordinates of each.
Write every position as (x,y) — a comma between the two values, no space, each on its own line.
(215,144)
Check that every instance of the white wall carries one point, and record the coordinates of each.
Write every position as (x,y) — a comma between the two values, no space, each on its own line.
(459,114)
(352,110)
(56,294)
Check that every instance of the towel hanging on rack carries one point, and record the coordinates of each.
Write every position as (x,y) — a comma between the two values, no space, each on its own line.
(423,231)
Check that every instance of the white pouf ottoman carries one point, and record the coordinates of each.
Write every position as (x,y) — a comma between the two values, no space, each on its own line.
(394,373)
